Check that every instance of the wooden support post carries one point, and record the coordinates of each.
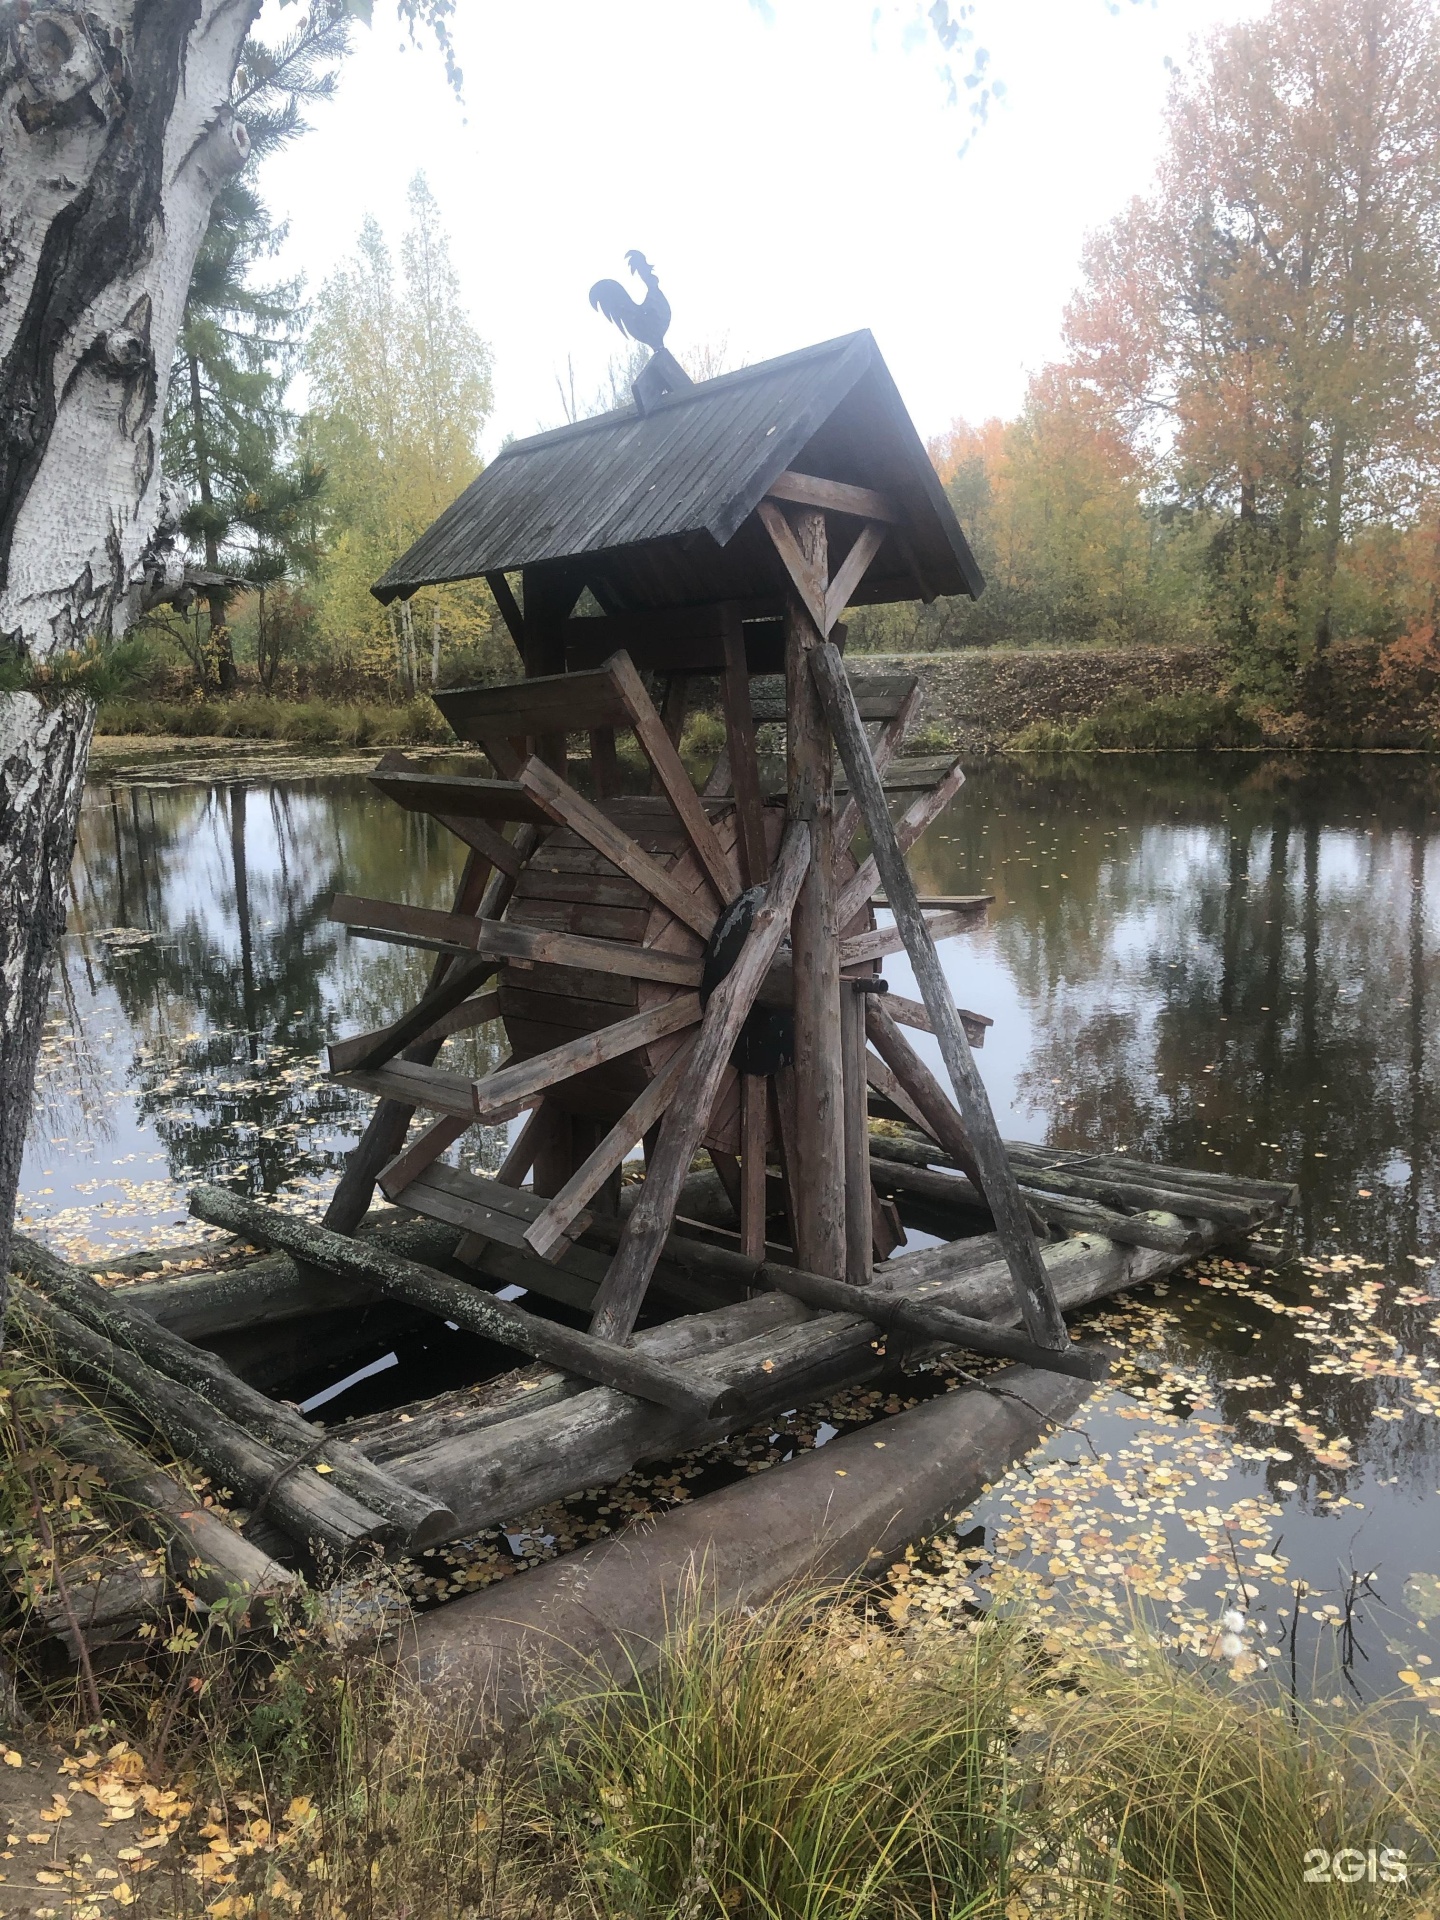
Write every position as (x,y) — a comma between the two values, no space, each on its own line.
(554,1160)
(604,766)
(818,1171)
(858,1221)
(1036,1296)
(645,1232)
(752,1165)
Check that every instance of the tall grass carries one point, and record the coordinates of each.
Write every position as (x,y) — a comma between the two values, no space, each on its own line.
(256,717)
(1175,722)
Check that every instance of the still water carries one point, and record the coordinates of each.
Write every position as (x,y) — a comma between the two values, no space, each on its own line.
(1223,961)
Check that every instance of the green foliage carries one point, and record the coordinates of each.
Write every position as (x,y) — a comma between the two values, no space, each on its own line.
(1184,720)
(316,723)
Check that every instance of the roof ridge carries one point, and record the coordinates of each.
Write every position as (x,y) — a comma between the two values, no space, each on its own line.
(684,396)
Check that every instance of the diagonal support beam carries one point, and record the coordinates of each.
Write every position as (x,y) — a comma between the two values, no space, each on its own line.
(852,571)
(1036,1296)
(645,1232)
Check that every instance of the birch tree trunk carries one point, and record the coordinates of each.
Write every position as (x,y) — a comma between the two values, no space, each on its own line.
(115,134)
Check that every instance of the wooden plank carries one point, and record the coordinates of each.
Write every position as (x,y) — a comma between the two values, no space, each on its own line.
(561,1220)
(908,829)
(518,1081)
(1035,1295)
(435,1292)
(819,1168)
(911,1013)
(744,770)
(375,1048)
(518,1161)
(645,1232)
(420,1154)
(564,804)
(670,770)
(504,597)
(852,571)
(858,1222)
(807,578)
(892,738)
(879,696)
(412,1085)
(505,940)
(879,1076)
(462,795)
(908,773)
(753,1095)
(476,834)
(835,496)
(861,947)
(582,889)
(569,702)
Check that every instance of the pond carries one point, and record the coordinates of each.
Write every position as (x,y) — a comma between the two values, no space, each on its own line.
(1212,960)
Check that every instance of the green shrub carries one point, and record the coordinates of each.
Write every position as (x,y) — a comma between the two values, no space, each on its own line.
(1172,723)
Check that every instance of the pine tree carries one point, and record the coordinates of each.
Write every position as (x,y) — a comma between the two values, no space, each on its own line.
(229,437)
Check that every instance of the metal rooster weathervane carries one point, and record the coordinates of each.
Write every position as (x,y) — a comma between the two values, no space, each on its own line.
(647,321)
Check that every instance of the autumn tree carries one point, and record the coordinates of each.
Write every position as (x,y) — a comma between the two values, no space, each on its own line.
(401,386)
(1265,326)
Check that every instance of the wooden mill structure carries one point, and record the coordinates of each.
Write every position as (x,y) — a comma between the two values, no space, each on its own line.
(674,970)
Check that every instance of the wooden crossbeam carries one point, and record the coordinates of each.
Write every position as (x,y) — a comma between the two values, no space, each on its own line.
(834,496)
(412,1160)
(518,1082)
(460,796)
(644,1234)
(571,809)
(879,1076)
(808,580)
(852,571)
(1035,1293)
(564,702)
(874,946)
(911,1013)
(908,829)
(375,1048)
(563,1217)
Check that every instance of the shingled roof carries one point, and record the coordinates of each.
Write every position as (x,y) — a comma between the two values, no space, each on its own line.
(655,509)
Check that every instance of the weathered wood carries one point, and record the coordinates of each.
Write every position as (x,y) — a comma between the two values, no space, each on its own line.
(1238,1215)
(852,570)
(911,1013)
(202,1552)
(744,774)
(806,576)
(504,940)
(561,1218)
(1042,1313)
(878,696)
(504,596)
(604,763)
(509,1470)
(879,1077)
(859,948)
(819,1170)
(753,1184)
(408,1085)
(571,702)
(448,1299)
(572,810)
(110,1314)
(644,1234)
(42,774)
(890,740)
(938,1114)
(463,796)
(306,1505)
(659,749)
(422,1152)
(859,1229)
(908,829)
(375,1048)
(1279,1193)
(834,496)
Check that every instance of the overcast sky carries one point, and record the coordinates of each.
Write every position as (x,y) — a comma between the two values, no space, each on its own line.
(790,166)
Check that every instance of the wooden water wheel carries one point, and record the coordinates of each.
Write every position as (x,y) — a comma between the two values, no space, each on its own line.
(675,968)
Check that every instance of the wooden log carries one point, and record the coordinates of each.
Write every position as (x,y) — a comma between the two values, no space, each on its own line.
(891,1094)
(1237,1216)
(307,1506)
(591,1438)
(908,829)
(889,743)
(938,1114)
(449,1299)
(203,1554)
(563,1218)
(276,1425)
(753,1183)
(1160,1229)
(1042,1313)
(835,496)
(1275,1193)
(859,1225)
(618,1301)
(851,571)
(818,1193)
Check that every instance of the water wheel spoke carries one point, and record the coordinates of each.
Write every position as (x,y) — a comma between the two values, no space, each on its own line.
(550,1233)
(411,1161)
(908,829)
(663,756)
(620,1295)
(571,809)
(892,738)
